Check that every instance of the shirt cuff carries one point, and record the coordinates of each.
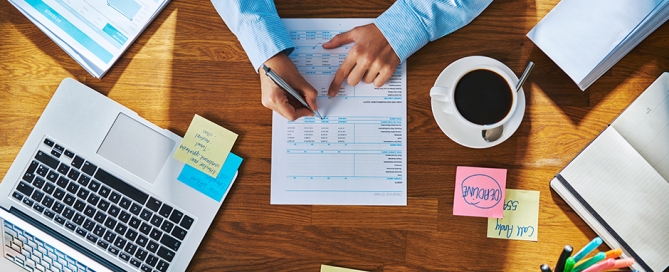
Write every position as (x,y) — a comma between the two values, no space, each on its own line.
(261,34)
(264,40)
(403,30)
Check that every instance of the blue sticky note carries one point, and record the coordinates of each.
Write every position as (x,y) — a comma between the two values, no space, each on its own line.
(205,184)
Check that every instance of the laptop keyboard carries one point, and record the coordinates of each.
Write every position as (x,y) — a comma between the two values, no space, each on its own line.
(103,210)
(33,254)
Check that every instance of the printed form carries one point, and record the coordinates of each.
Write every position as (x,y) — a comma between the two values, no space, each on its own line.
(356,154)
(94,32)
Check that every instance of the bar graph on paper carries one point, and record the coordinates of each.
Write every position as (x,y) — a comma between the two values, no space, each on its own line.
(356,154)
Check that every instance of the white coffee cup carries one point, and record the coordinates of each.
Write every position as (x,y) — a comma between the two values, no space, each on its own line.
(447,95)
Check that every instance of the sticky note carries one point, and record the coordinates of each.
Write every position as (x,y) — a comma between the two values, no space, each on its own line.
(205,146)
(211,187)
(521,217)
(479,191)
(329,268)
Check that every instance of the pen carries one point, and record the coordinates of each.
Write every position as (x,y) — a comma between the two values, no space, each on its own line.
(545,268)
(569,264)
(279,82)
(601,266)
(622,263)
(587,249)
(566,252)
(614,253)
(589,262)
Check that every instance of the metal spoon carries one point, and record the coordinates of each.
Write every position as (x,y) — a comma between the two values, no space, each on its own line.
(491,135)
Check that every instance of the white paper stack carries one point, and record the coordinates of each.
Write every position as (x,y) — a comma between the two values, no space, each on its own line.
(586,38)
(93,32)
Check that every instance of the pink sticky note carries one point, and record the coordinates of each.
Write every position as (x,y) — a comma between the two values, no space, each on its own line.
(479,192)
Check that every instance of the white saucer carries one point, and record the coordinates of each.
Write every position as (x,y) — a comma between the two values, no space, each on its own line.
(456,131)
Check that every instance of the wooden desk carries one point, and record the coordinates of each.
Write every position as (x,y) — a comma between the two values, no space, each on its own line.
(188,62)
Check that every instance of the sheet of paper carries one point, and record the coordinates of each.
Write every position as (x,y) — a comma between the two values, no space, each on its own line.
(479,191)
(356,155)
(205,146)
(94,32)
(216,188)
(521,217)
(329,268)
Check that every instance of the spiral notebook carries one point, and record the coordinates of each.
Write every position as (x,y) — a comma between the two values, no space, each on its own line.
(619,183)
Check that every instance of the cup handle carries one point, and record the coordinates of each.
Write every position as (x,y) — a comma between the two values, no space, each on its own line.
(441,94)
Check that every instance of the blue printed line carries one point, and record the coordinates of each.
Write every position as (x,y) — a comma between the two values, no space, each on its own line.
(345,177)
(341,191)
(116,35)
(354,129)
(347,143)
(71,30)
(361,116)
(362,151)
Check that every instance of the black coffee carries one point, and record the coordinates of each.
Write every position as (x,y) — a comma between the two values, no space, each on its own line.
(483,97)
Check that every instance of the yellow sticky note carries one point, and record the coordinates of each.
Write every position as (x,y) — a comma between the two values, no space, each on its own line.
(329,268)
(205,146)
(521,217)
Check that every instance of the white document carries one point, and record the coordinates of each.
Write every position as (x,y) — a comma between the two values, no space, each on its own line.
(355,155)
(93,32)
(618,184)
(586,38)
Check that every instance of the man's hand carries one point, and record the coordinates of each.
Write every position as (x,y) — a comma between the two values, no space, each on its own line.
(371,59)
(277,99)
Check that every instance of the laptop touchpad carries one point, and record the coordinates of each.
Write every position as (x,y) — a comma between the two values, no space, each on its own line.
(136,148)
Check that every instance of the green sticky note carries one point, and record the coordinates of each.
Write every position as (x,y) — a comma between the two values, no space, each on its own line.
(205,146)
(521,217)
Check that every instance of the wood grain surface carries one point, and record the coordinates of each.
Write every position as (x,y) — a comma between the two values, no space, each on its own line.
(187,62)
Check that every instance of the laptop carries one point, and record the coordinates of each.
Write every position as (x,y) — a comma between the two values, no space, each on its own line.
(95,188)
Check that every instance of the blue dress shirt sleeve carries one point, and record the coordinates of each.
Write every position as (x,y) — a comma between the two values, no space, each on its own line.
(407,25)
(257,26)
(410,24)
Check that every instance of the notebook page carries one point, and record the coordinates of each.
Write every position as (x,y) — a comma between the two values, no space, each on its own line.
(645,125)
(626,192)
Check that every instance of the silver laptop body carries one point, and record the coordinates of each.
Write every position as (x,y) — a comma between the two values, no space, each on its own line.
(101,179)
(25,247)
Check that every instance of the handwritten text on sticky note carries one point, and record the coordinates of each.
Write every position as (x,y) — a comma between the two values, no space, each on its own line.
(217,187)
(521,217)
(479,191)
(205,146)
